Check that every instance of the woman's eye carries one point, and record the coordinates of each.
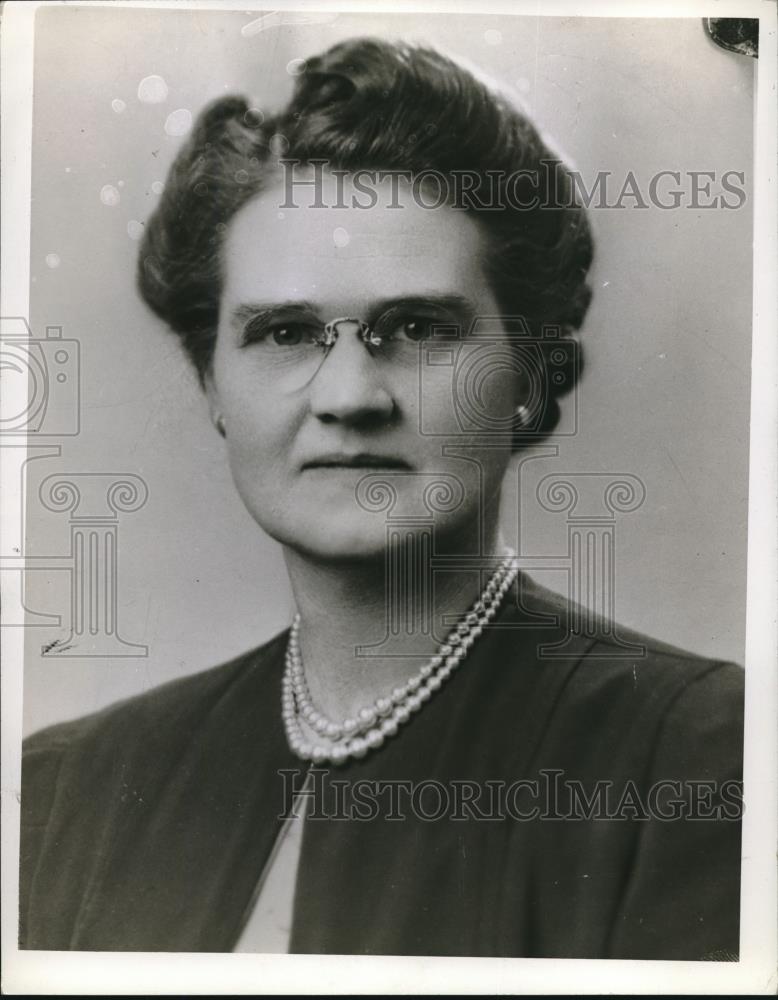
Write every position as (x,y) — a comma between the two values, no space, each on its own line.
(420,328)
(415,329)
(278,333)
(289,335)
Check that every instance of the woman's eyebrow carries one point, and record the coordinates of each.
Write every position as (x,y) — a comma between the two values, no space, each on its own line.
(456,305)
(241,314)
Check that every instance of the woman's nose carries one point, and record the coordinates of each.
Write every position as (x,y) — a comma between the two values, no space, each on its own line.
(349,385)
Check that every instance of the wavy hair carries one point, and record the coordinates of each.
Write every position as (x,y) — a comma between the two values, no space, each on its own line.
(377,105)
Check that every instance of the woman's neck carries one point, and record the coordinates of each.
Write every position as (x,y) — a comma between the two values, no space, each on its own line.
(365,629)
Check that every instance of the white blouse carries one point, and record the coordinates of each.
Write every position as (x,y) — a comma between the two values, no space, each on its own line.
(269,926)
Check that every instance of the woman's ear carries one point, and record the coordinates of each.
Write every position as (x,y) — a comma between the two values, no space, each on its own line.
(525,409)
(522,388)
(212,395)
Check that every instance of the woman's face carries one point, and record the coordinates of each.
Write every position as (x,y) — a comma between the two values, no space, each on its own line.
(306,424)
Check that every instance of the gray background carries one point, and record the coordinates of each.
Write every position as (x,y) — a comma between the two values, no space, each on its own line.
(667,340)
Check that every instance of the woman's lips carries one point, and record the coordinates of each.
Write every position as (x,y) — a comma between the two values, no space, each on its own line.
(361,460)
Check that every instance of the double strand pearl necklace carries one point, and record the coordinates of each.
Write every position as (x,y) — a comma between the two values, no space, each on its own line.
(370,728)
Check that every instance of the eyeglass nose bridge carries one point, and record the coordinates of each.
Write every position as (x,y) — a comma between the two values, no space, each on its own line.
(331,332)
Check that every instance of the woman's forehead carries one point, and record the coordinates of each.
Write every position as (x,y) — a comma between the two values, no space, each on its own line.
(326,247)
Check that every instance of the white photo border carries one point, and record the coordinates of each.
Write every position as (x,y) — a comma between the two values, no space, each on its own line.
(140,973)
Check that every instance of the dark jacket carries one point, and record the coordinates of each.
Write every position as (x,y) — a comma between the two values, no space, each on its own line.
(146,826)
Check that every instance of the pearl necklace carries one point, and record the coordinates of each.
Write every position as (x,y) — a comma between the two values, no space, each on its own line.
(354,737)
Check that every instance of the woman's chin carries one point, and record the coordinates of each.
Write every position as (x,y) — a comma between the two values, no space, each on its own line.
(364,540)
(333,541)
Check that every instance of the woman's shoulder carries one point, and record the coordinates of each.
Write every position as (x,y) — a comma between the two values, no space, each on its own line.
(163,713)
(602,670)
(611,649)
(89,782)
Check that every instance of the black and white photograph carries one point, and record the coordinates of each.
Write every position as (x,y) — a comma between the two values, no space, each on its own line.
(389,477)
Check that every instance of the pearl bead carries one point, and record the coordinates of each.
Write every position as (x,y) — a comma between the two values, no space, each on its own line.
(339,754)
(389,727)
(382,720)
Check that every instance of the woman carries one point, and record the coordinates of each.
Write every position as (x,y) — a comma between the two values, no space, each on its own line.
(329,272)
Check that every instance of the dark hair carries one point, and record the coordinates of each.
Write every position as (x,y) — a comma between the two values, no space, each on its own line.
(372,104)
